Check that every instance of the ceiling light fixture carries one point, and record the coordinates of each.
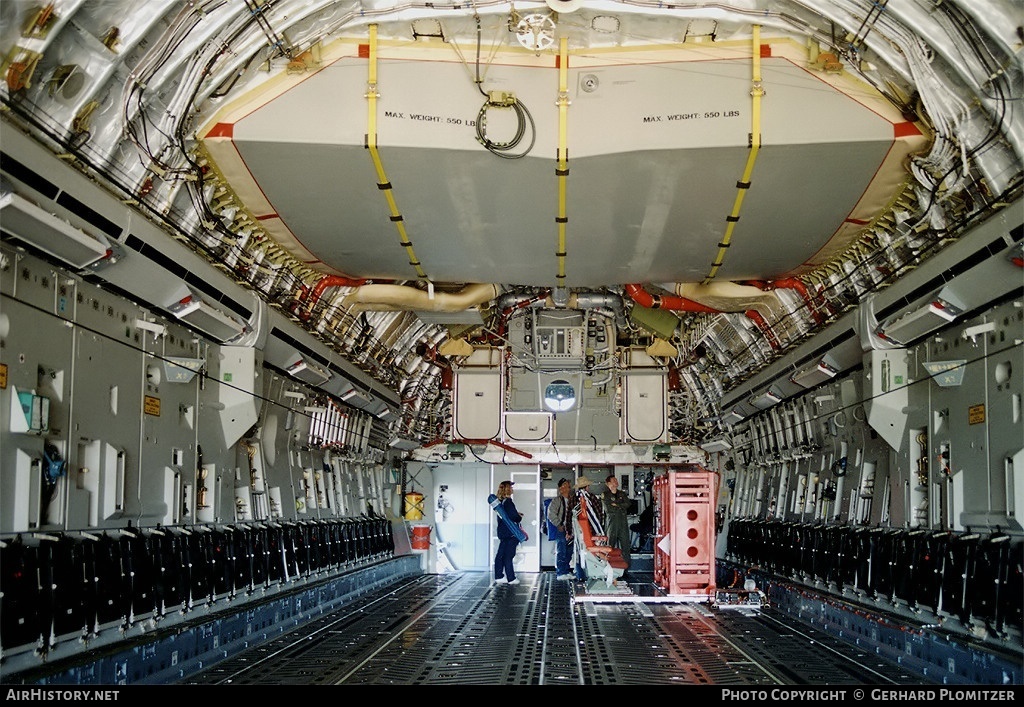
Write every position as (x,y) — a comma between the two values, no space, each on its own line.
(50,234)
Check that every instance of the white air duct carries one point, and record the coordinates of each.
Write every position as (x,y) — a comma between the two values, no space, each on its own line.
(391,298)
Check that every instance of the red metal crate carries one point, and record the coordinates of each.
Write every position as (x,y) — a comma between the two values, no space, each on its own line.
(684,549)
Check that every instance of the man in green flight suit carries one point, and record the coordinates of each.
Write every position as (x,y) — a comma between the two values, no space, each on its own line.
(616,508)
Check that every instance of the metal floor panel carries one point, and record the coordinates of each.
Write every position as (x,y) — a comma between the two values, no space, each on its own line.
(459,629)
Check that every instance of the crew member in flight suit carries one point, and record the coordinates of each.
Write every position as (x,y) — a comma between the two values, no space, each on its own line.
(616,509)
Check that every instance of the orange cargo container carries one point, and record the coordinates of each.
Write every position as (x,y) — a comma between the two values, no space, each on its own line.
(684,540)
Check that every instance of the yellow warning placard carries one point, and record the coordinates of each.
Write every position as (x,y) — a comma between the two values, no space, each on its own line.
(3,375)
(151,405)
(976,414)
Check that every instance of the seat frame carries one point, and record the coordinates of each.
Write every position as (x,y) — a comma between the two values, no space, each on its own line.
(603,565)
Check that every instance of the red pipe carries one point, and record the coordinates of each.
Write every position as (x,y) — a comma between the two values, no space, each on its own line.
(798,285)
(756,317)
(674,381)
(670,302)
(789,283)
(325,282)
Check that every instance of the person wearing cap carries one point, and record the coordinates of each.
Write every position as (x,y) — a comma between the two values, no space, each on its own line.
(616,509)
(560,516)
(504,572)
(593,502)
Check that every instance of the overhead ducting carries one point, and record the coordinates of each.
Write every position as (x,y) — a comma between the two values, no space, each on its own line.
(309,302)
(403,298)
(676,304)
(733,297)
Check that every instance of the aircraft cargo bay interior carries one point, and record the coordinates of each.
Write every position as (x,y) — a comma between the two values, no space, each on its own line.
(589,342)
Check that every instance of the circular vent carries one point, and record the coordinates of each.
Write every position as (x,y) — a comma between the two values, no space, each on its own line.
(67,81)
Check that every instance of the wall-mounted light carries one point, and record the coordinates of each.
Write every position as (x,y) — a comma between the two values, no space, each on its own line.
(194,310)
(716,445)
(50,233)
(386,413)
(935,313)
(308,372)
(732,417)
(820,372)
(765,400)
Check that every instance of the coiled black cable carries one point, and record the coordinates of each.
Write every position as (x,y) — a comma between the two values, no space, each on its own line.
(502,149)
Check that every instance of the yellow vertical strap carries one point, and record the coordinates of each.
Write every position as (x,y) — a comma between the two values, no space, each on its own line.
(562,168)
(756,92)
(371,96)
(371,144)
